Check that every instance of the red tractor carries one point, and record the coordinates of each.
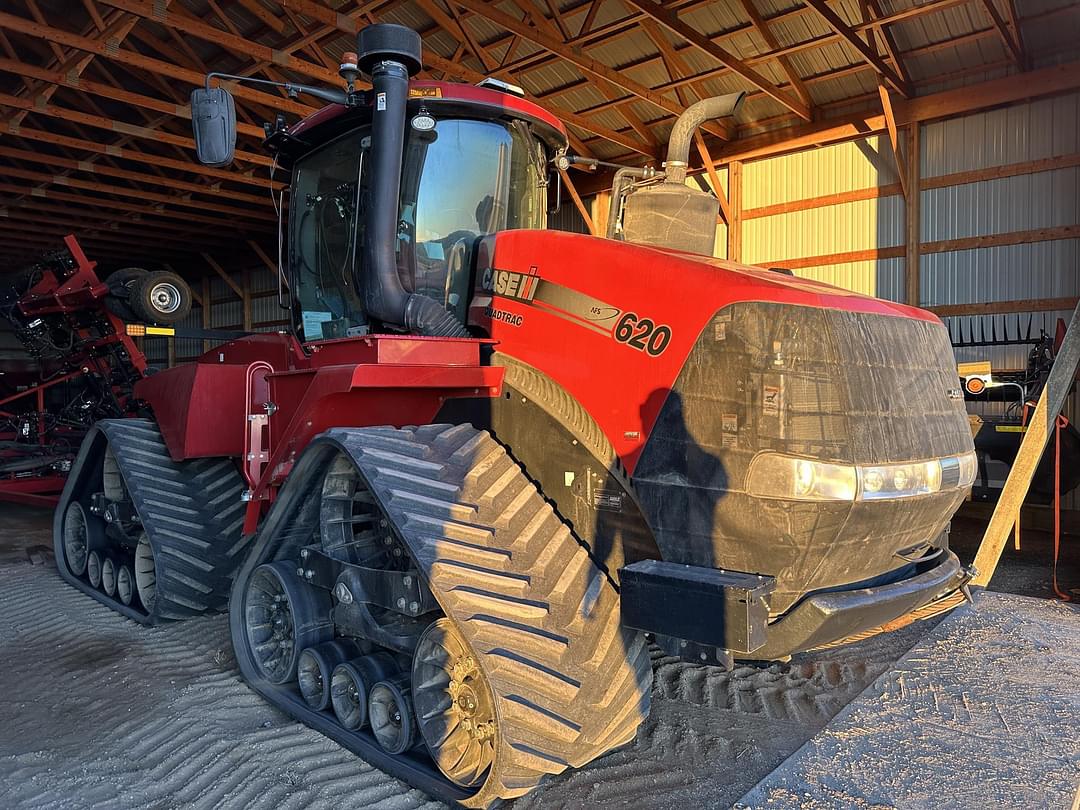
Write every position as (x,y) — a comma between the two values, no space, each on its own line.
(491,460)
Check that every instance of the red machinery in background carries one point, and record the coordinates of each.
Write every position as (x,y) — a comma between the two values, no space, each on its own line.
(69,322)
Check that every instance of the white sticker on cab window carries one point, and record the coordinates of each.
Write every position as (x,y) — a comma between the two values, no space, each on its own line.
(313,322)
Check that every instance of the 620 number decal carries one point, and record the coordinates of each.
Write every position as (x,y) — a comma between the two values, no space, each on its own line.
(642,334)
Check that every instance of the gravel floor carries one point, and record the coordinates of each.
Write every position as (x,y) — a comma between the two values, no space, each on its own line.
(100,712)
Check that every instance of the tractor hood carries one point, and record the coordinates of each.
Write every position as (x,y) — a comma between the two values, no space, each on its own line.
(700,370)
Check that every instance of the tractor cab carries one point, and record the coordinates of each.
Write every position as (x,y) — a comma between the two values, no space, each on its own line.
(466,172)
(392,188)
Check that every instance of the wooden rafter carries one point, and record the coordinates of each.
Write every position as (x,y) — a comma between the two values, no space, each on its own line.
(871,10)
(582,62)
(549,28)
(137,60)
(833,20)
(348,24)
(812,43)
(894,136)
(761,25)
(670,20)
(1008,33)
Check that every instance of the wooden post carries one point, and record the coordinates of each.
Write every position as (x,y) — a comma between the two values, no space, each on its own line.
(581,207)
(1039,430)
(734,233)
(206,310)
(913,217)
(246,289)
(601,205)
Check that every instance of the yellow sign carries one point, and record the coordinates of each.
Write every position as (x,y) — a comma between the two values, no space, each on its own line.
(425,92)
(1010,428)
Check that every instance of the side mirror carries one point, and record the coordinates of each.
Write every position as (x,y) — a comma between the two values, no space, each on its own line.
(213,121)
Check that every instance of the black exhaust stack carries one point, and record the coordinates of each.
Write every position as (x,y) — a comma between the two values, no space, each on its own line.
(390,54)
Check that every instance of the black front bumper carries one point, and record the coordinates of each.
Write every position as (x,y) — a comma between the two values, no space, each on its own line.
(827,617)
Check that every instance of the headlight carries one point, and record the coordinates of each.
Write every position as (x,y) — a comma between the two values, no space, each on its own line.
(773,475)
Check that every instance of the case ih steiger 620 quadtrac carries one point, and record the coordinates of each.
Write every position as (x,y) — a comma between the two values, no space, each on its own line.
(492,458)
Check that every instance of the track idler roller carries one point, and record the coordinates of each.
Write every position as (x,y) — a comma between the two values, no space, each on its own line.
(76,538)
(108,576)
(390,711)
(350,686)
(93,568)
(125,584)
(284,617)
(315,667)
(145,573)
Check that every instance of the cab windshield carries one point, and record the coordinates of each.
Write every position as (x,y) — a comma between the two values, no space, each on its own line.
(460,180)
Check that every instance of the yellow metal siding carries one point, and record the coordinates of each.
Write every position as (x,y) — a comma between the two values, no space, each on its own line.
(845,227)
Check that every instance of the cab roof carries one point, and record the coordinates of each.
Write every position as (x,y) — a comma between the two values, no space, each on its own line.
(452,94)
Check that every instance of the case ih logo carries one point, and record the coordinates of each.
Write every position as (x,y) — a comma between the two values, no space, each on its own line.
(511,285)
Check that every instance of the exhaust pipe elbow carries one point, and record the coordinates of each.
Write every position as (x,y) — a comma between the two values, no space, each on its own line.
(683,132)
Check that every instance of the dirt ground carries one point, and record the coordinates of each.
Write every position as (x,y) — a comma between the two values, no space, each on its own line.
(100,712)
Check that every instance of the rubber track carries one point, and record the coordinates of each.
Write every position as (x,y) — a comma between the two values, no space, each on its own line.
(542,619)
(192,513)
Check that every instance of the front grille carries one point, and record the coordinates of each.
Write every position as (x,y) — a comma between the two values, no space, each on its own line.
(839,386)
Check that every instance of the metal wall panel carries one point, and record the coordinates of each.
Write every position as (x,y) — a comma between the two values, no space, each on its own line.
(850,226)
(1040,129)
(864,163)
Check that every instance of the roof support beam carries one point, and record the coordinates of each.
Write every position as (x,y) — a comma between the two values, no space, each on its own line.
(139,194)
(868,54)
(100,122)
(546,26)
(578,203)
(580,60)
(138,157)
(871,10)
(231,42)
(1005,32)
(894,137)
(74,66)
(107,203)
(224,276)
(169,70)
(105,91)
(145,224)
(136,177)
(670,20)
(762,27)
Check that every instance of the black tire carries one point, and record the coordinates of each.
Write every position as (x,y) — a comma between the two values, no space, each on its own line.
(120,284)
(161,297)
(121,281)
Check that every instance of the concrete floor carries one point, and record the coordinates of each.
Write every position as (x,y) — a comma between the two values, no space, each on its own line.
(993,691)
(100,712)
